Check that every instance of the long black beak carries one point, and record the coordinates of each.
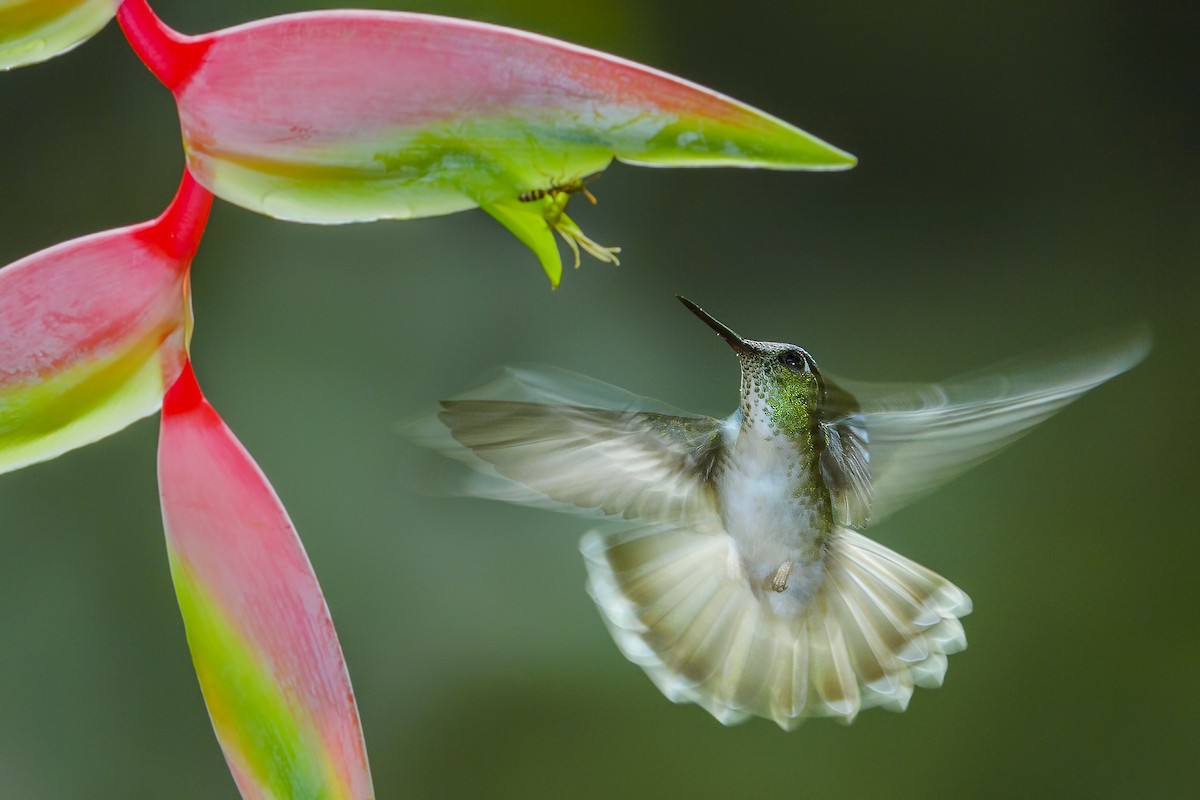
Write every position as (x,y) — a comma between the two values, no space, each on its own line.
(736,342)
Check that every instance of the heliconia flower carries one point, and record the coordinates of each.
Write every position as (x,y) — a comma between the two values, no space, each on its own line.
(341,116)
(93,330)
(262,641)
(35,30)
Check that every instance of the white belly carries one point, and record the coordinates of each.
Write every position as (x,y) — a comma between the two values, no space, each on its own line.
(771,520)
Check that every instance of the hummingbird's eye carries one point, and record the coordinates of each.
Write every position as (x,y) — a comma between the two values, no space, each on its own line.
(794,360)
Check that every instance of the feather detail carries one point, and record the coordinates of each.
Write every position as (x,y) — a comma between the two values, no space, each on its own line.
(921,436)
(649,465)
(879,625)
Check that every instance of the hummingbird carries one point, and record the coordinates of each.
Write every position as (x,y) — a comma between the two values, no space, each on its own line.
(740,579)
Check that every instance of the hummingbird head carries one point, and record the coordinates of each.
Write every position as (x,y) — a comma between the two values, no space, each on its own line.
(782,388)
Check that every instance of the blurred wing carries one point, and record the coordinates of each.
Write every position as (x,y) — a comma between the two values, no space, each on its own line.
(922,436)
(650,465)
(845,457)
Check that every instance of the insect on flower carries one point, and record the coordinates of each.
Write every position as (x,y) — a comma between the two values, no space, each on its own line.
(570,187)
(556,196)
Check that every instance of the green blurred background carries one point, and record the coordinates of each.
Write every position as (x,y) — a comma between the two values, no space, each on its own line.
(1028,172)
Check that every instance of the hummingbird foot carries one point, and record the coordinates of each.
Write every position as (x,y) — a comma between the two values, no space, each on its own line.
(779,581)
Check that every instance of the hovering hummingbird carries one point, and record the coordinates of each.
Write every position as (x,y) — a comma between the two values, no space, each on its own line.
(742,583)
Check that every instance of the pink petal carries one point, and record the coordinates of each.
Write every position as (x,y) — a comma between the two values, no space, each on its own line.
(261,637)
(341,116)
(93,330)
(35,30)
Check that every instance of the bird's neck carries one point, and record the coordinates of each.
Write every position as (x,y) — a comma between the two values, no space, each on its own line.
(780,448)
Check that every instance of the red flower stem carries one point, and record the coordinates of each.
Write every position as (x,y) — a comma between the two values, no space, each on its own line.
(184,395)
(171,56)
(178,230)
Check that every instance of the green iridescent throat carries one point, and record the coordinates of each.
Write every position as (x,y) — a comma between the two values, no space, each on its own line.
(792,399)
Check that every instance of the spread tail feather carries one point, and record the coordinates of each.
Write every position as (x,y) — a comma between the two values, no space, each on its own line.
(678,606)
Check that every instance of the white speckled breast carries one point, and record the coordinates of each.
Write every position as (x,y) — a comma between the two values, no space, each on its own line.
(768,513)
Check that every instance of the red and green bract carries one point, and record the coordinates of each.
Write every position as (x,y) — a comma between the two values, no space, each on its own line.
(35,30)
(343,116)
(261,637)
(94,329)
